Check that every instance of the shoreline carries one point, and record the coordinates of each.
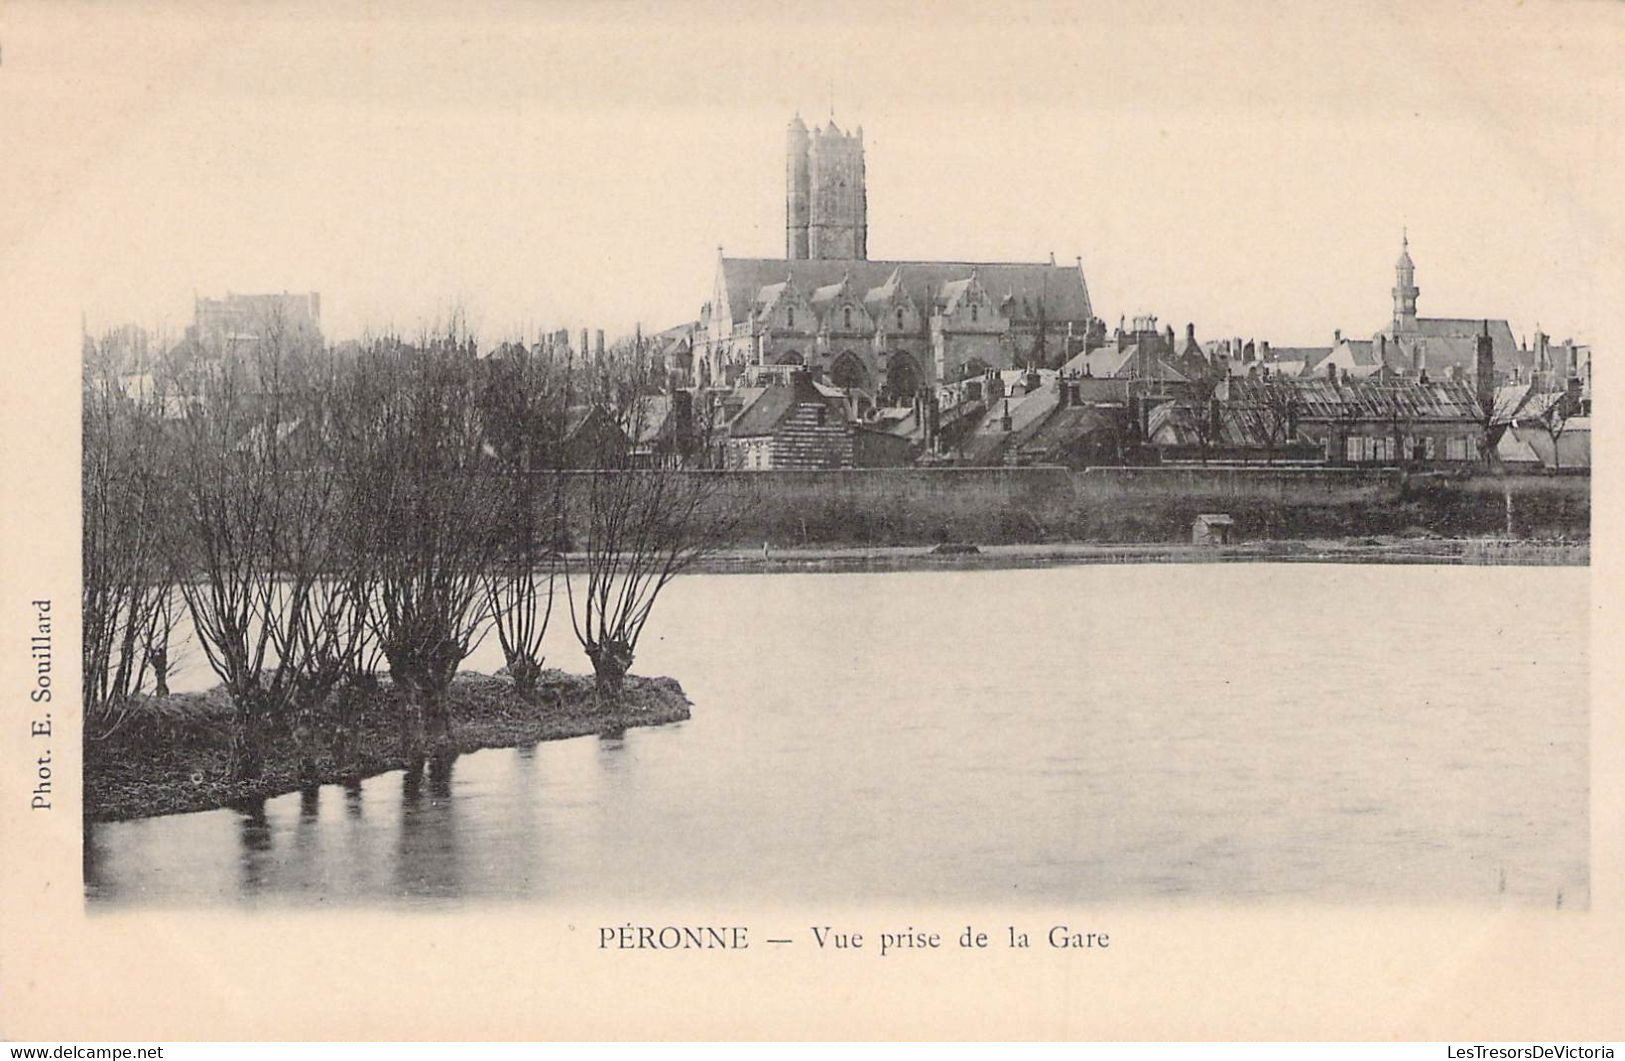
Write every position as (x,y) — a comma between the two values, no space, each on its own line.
(1377,549)
(173,760)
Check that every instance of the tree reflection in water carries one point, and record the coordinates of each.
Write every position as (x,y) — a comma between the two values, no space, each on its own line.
(428,857)
(254,837)
(352,798)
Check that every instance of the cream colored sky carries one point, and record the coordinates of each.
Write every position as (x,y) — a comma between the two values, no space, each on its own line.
(1244,167)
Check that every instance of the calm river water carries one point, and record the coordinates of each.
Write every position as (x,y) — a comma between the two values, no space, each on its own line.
(1149,732)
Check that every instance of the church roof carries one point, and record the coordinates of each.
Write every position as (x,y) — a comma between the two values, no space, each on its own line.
(1452,342)
(1062,287)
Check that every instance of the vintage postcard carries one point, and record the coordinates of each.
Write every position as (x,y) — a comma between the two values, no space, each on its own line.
(662,521)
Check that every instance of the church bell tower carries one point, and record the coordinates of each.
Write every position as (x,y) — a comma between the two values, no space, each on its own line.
(1405,289)
(826,199)
(798,193)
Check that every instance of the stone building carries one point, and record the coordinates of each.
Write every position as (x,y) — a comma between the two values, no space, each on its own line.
(826,198)
(887,328)
(220,323)
(789,425)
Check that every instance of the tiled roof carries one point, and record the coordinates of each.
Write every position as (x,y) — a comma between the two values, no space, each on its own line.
(1060,286)
(1066,425)
(1368,399)
(1452,342)
(1174,424)
(1027,412)
(1303,354)
(1108,362)
(773,404)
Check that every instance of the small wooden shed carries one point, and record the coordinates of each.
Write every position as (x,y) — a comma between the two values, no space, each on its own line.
(1212,528)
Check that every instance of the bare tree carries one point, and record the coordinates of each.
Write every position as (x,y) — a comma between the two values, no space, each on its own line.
(525,412)
(1554,421)
(127,584)
(1492,408)
(642,527)
(1269,409)
(1206,412)
(426,504)
(253,501)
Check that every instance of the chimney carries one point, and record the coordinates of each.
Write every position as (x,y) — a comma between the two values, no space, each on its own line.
(1247,353)
(583,343)
(682,415)
(1004,420)
(1263,349)
(598,343)
(1484,370)
(1061,390)
(1337,336)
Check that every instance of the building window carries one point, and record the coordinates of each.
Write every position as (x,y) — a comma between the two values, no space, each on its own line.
(899,317)
(791,314)
(973,314)
(848,317)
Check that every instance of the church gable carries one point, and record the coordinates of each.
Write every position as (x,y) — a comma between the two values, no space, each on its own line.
(782,307)
(840,308)
(890,306)
(1061,288)
(967,302)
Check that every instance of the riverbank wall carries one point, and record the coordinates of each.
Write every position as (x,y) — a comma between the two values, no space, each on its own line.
(924,506)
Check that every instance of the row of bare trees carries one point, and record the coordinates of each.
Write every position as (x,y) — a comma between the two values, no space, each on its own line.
(323,516)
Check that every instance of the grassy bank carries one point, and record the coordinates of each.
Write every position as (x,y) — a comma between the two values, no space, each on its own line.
(1043,505)
(171,754)
(1365,549)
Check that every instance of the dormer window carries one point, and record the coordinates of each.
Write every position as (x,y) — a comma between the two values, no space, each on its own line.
(848,316)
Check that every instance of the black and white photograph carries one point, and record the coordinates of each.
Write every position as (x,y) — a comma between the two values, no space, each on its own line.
(1011,458)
